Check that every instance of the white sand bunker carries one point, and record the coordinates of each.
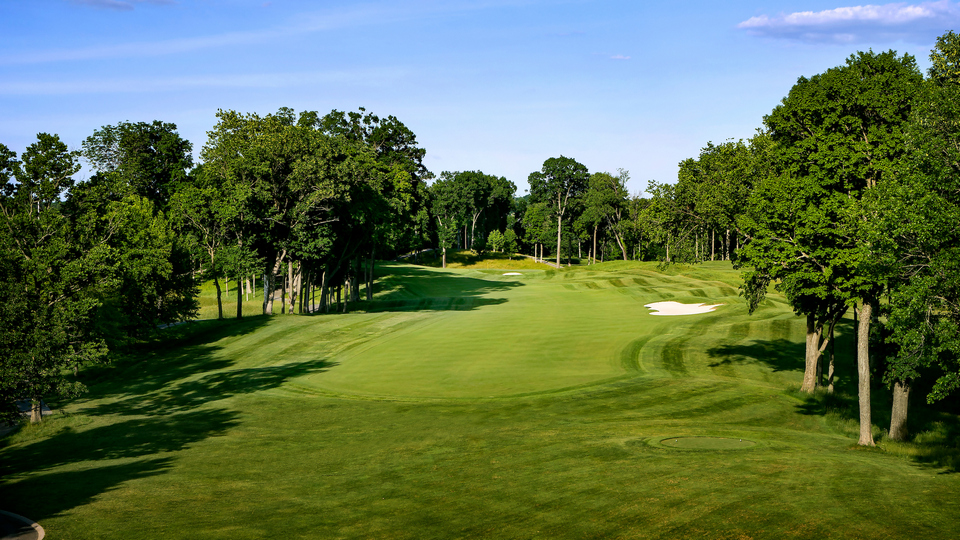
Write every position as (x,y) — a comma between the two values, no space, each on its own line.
(676,308)
(513,274)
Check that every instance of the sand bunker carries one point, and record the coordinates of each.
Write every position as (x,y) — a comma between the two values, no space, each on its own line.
(676,308)
(513,274)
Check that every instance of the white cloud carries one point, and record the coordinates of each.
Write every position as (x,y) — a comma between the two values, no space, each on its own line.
(889,22)
(619,57)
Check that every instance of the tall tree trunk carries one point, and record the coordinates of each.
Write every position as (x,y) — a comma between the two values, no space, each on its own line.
(36,410)
(283,294)
(444,257)
(713,242)
(594,251)
(266,301)
(370,276)
(863,372)
(253,280)
(226,286)
(239,299)
(812,356)
(726,247)
(898,416)
(246,284)
(559,227)
(216,283)
(324,300)
(619,240)
(291,288)
(833,346)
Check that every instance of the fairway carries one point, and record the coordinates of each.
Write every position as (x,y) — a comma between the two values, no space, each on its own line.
(472,404)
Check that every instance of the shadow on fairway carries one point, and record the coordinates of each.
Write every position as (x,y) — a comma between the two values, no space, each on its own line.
(162,404)
(779,354)
(44,496)
(175,353)
(410,288)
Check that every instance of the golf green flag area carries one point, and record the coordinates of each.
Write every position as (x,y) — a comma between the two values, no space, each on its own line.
(486,403)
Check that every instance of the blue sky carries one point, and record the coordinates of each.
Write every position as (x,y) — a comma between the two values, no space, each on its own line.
(497,86)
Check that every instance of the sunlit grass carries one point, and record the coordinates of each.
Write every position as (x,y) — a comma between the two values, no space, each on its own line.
(469,404)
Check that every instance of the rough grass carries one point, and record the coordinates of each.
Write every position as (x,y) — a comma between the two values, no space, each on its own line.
(467,404)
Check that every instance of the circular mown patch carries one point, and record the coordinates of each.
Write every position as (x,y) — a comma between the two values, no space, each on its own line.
(707,443)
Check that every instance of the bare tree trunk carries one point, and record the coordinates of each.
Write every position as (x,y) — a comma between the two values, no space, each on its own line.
(253,279)
(619,240)
(594,252)
(559,227)
(444,257)
(246,283)
(239,299)
(726,247)
(216,283)
(266,285)
(863,372)
(36,410)
(370,276)
(830,369)
(898,416)
(324,300)
(812,355)
(291,287)
(226,286)
(283,294)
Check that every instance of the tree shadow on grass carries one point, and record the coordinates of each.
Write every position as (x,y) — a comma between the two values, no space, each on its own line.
(186,395)
(161,404)
(176,353)
(778,354)
(133,438)
(43,496)
(411,288)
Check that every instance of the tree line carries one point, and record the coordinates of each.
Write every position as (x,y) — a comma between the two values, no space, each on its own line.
(847,197)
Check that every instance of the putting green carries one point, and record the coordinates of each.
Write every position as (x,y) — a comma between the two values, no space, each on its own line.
(472,334)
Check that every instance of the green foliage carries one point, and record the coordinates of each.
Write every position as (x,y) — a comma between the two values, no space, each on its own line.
(50,280)
(945,60)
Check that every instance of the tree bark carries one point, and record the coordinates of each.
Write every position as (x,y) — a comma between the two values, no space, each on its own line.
(812,356)
(444,257)
(266,284)
(713,242)
(559,227)
(216,283)
(36,410)
(594,251)
(863,372)
(283,294)
(239,299)
(830,369)
(898,416)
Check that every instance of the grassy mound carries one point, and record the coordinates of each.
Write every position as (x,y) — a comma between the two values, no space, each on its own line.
(468,404)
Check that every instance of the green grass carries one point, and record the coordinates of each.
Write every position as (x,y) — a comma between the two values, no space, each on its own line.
(468,404)
(470,260)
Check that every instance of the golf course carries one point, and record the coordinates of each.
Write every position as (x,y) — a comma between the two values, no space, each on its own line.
(466,403)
